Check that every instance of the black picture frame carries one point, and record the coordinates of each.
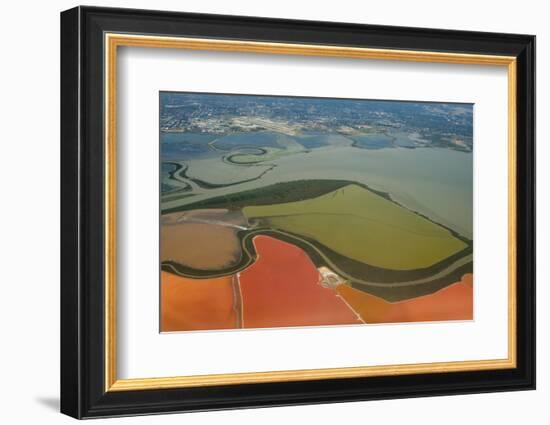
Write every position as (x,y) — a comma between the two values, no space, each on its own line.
(83,392)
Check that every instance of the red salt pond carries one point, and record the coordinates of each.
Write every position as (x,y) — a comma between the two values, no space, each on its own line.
(282,289)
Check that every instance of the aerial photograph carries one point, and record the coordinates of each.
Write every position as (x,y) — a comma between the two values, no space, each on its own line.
(280,211)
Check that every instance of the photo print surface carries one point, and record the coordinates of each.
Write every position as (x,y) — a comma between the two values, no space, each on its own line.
(301,211)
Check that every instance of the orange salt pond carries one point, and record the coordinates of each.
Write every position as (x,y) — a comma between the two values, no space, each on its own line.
(197,304)
(454,302)
(282,289)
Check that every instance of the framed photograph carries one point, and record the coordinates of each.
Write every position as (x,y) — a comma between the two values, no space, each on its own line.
(261,212)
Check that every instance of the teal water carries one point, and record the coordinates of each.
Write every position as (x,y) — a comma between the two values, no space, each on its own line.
(373,141)
(436,182)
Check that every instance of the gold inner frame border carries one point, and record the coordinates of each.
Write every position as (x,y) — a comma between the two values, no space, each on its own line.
(114,40)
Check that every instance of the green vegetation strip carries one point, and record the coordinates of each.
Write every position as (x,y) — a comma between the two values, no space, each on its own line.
(266,195)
